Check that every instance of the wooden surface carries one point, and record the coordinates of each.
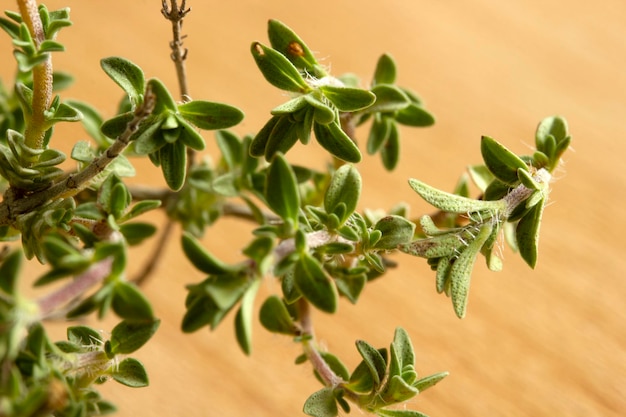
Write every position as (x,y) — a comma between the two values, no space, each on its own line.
(549,342)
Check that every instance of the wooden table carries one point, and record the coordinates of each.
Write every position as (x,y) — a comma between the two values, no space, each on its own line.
(548,342)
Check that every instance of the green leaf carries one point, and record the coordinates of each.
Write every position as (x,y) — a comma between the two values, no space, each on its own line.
(243,318)
(382,412)
(389,98)
(201,258)
(374,361)
(277,69)
(275,317)
(210,116)
(335,365)
(130,372)
(321,404)
(461,270)
(527,233)
(453,203)
(501,162)
(141,207)
(189,135)
(164,100)
(288,43)
(323,112)
(385,72)
(345,187)
(65,113)
(335,141)
(128,336)
(429,381)
(83,336)
(231,148)
(348,99)
(291,106)
(414,115)
(314,284)
(379,133)
(390,152)
(281,189)
(282,138)
(137,232)
(9,272)
(173,157)
(403,347)
(127,75)
(395,231)
(259,143)
(129,303)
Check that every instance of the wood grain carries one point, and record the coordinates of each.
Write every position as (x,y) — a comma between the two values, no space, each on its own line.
(548,342)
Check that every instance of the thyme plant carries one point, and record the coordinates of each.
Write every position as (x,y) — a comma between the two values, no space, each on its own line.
(308,234)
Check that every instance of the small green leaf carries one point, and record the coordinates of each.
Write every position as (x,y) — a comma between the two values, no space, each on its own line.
(382,412)
(429,381)
(389,98)
(128,336)
(348,99)
(231,147)
(403,347)
(288,43)
(129,303)
(84,336)
(385,72)
(173,157)
(379,133)
(390,152)
(345,187)
(375,361)
(461,270)
(527,233)
(130,372)
(275,317)
(201,258)
(453,203)
(291,106)
(395,231)
(259,143)
(137,232)
(501,162)
(281,189)
(323,112)
(414,115)
(321,404)
(314,284)
(127,75)
(243,318)
(335,141)
(282,138)
(278,70)
(210,116)
(9,272)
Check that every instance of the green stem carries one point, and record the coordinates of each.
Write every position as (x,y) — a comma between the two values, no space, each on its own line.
(42,81)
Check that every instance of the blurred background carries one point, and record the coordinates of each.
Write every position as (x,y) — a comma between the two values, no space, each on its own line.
(548,342)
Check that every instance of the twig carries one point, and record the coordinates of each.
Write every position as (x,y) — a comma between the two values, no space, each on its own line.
(12,206)
(42,81)
(94,275)
(176,15)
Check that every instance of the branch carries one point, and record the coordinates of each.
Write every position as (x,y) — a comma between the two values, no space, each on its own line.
(93,276)
(13,206)
(176,15)
(42,80)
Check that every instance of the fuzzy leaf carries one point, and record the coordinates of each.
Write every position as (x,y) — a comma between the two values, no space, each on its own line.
(127,75)
(275,317)
(527,233)
(321,404)
(278,70)
(345,187)
(288,43)
(374,360)
(461,270)
(173,157)
(128,336)
(453,203)
(83,336)
(281,189)
(129,303)
(395,231)
(9,272)
(414,115)
(243,318)
(335,141)
(348,99)
(130,372)
(202,259)
(501,162)
(389,98)
(385,72)
(390,152)
(314,284)
(210,116)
